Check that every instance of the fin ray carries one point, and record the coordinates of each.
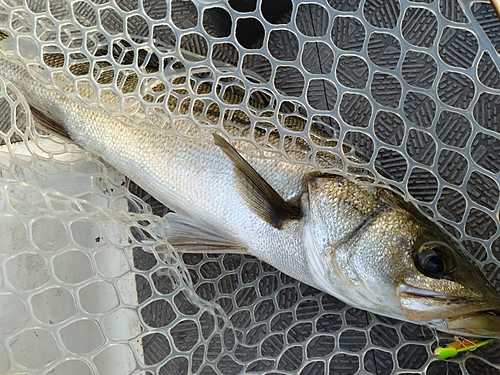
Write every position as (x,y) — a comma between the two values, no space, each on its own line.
(188,235)
(258,194)
(45,121)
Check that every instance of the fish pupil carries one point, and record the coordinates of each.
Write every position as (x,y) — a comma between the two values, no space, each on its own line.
(433,261)
(434,265)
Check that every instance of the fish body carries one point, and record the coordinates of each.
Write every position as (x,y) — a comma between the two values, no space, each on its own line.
(364,245)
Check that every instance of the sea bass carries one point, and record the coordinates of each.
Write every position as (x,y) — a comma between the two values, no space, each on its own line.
(362,244)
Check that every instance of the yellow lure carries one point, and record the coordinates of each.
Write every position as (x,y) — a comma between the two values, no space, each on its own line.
(458,346)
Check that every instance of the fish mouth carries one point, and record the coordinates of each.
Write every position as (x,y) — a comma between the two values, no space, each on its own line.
(411,291)
(407,290)
(468,315)
(479,324)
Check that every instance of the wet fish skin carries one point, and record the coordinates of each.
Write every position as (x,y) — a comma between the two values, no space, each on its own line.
(174,170)
(372,246)
(363,245)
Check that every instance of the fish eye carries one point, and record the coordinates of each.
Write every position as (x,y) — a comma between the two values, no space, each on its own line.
(432,261)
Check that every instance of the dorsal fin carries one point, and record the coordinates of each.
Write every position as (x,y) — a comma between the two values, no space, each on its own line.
(45,120)
(260,197)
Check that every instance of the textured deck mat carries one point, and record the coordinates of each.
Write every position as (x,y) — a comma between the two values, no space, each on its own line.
(413,85)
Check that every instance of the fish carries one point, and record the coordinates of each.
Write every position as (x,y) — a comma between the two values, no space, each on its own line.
(361,243)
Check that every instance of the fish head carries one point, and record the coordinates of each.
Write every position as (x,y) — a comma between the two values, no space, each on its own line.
(369,247)
(447,290)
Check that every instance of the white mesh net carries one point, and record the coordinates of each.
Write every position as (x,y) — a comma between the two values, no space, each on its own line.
(413,85)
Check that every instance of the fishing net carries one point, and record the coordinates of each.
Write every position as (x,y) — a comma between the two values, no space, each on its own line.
(88,286)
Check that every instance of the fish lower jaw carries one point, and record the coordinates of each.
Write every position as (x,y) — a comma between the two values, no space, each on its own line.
(484,324)
(459,315)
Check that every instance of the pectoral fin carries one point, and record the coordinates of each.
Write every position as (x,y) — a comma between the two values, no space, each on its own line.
(260,197)
(44,120)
